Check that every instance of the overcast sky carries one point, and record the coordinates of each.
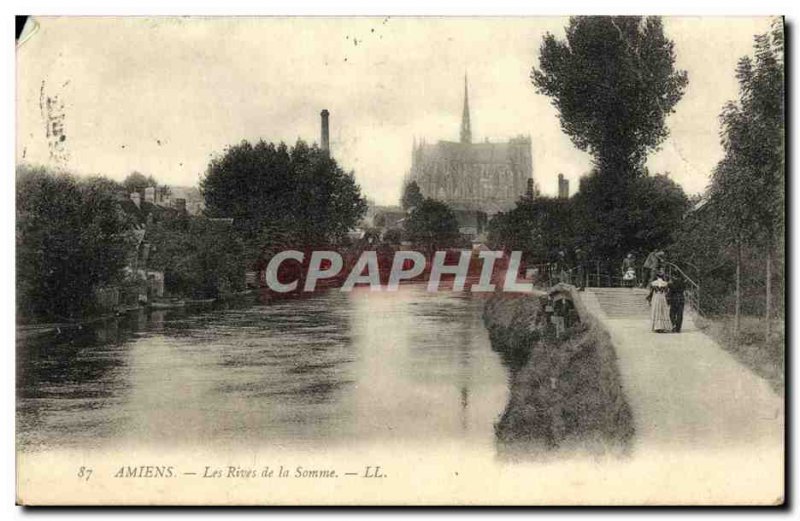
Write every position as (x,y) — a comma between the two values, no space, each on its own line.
(162,96)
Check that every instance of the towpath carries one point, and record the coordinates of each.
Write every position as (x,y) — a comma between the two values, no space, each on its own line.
(684,389)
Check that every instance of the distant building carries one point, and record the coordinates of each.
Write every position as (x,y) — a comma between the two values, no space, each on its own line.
(193,201)
(145,209)
(479,177)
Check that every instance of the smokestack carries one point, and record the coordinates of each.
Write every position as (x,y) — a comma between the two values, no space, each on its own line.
(563,187)
(325,138)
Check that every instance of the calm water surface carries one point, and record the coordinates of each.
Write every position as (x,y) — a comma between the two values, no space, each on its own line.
(333,369)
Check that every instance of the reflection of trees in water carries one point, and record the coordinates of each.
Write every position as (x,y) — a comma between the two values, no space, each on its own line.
(284,371)
(79,361)
(430,307)
(515,356)
(302,348)
(69,362)
(75,369)
(432,341)
(465,311)
(283,361)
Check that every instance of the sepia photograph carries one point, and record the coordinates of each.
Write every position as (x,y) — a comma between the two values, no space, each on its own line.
(400,260)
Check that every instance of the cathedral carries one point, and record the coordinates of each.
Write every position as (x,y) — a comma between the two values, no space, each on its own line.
(484,177)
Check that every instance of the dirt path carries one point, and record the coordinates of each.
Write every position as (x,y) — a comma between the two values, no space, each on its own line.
(684,389)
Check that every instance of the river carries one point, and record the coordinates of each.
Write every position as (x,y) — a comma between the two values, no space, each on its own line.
(332,369)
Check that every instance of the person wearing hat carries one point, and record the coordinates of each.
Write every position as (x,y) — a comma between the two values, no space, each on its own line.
(629,271)
(654,262)
(676,298)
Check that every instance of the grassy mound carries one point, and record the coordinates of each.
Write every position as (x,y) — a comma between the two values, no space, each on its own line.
(566,392)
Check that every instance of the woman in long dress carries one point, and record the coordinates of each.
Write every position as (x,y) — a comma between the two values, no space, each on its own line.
(659,310)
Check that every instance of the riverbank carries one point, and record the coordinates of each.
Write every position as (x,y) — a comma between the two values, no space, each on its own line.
(514,324)
(33,329)
(566,393)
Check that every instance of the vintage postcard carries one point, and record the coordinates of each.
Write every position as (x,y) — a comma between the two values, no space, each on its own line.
(400,261)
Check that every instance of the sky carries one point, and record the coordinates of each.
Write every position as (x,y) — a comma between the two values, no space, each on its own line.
(162,96)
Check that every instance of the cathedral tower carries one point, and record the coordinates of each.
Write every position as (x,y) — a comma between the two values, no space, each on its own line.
(466,131)
(473,177)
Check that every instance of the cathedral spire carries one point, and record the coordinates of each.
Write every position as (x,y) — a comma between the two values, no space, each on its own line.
(466,130)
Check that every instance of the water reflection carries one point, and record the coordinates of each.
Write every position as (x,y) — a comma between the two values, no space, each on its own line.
(333,368)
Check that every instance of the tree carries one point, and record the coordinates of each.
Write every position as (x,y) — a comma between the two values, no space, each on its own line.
(277,194)
(199,257)
(393,236)
(748,183)
(539,228)
(71,238)
(703,244)
(137,182)
(613,83)
(412,196)
(648,218)
(605,230)
(432,224)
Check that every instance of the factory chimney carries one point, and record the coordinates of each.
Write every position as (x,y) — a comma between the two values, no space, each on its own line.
(563,187)
(325,138)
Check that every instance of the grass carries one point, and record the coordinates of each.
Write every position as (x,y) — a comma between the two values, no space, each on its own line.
(513,325)
(765,357)
(566,393)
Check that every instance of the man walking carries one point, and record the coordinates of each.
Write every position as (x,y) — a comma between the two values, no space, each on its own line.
(654,262)
(676,298)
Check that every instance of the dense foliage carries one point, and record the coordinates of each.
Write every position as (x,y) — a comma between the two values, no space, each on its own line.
(613,83)
(199,257)
(741,219)
(603,226)
(275,193)
(646,219)
(748,184)
(432,225)
(137,182)
(539,228)
(412,196)
(71,238)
